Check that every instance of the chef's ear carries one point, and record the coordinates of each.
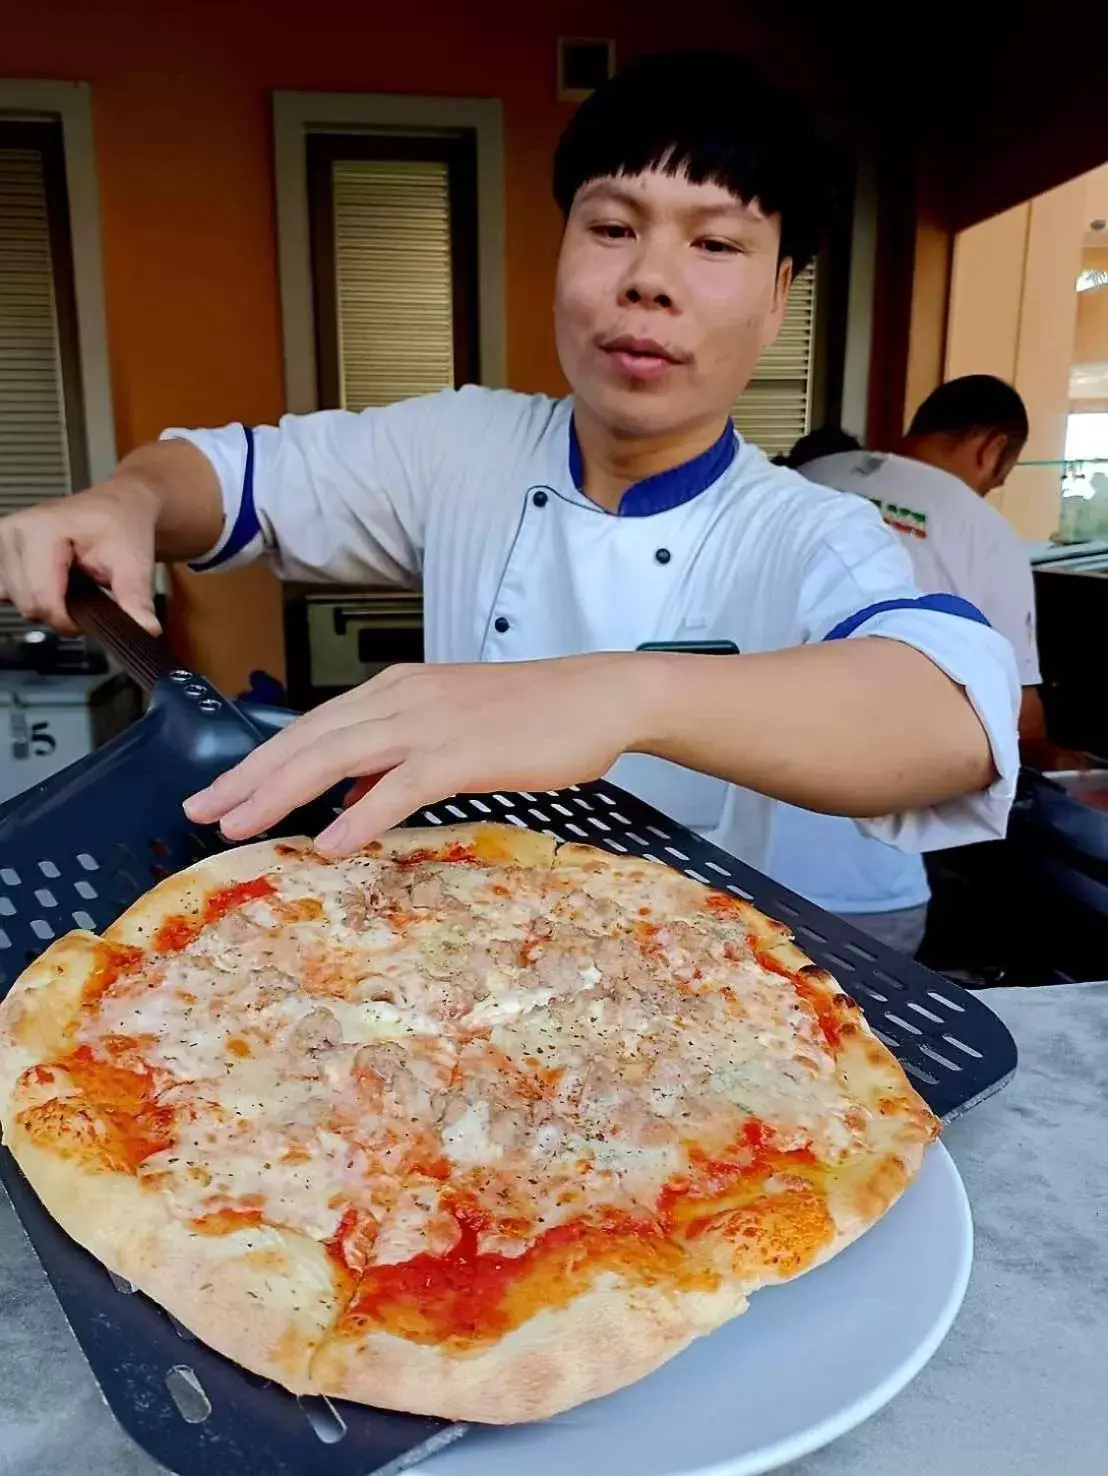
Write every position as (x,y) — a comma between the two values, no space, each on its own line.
(771,326)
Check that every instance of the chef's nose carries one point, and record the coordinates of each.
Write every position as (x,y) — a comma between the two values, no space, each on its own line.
(649,280)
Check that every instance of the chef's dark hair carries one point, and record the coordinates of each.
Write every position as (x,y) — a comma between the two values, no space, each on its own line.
(971,405)
(712,116)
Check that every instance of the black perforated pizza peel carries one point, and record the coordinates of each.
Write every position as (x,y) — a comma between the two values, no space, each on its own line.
(78,849)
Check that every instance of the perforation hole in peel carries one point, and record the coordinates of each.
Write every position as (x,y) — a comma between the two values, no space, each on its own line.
(919,1073)
(5,941)
(803,931)
(950,1003)
(960,1045)
(85,889)
(48,869)
(184,1333)
(10,877)
(934,1055)
(187,1393)
(159,872)
(325,1420)
(902,1024)
(7,907)
(861,952)
(887,979)
(89,863)
(919,1009)
(83,920)
(42,929)
(159,847)
(740,892)
(45,898)
(121,1284)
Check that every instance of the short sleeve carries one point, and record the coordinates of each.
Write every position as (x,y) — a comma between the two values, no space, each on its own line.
(1006,594)
(333,496)
(858,582)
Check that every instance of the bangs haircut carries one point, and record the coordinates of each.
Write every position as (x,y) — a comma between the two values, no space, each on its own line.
(714,118)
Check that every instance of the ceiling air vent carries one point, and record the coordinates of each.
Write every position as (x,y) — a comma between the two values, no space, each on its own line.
(582,66)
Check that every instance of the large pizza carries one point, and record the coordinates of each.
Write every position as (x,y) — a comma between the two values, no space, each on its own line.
(469,1124)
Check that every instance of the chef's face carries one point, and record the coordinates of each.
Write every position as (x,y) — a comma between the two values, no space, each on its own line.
(667,293)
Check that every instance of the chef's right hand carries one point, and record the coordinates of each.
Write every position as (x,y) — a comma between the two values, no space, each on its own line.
(108,530)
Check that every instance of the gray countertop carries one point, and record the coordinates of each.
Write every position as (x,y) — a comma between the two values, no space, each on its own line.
(1019,1388)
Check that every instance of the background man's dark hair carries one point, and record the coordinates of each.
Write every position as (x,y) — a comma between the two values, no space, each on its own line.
(712,116)
(974,404)
(825,440)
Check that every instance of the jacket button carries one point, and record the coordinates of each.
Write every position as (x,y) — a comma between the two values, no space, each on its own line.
(501,624)
(662,555)
(540,498)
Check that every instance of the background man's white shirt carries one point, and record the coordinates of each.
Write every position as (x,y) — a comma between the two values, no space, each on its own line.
(958,545)
(472,495)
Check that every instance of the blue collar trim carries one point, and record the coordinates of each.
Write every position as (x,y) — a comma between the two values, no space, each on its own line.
(667,489)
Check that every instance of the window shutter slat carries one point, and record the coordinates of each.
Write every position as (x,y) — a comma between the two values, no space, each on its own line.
(393,276)
(34,451)
(774,410)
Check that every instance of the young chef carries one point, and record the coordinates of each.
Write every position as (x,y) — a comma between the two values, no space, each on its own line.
(554,539)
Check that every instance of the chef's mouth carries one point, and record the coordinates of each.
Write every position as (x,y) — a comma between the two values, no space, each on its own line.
(640,358)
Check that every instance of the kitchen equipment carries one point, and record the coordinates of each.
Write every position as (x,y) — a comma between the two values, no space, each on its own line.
(336,638)
(83,845)
(48,720)
(1071,600)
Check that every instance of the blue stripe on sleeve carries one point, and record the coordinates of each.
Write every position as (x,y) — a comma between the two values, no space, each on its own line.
(247,526)
(945,604)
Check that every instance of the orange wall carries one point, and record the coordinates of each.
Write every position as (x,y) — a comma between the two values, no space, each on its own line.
(181,111)
(1013,314)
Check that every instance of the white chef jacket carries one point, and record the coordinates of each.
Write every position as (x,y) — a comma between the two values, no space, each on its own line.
(958,544)
(475,495)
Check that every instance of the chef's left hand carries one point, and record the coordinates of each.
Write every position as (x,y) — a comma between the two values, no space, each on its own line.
(417,734)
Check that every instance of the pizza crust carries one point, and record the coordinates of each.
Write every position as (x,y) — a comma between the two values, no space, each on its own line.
(610,1336)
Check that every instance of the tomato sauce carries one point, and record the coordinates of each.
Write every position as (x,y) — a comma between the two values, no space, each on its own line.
(116,959)
(455,852)
(178,932)
(468,1297)
(226,1221)
(126,1096)
(833,1012)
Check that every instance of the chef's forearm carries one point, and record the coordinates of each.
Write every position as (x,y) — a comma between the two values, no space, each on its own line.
(856,727)
(181,484)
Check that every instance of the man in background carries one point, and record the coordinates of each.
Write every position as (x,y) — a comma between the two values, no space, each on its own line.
(964,440)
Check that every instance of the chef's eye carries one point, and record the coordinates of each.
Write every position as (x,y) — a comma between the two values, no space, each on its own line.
(610,230)
(718,247)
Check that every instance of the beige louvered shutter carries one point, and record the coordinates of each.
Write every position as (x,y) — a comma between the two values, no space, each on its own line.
(775,409)
(393,279)
(34,452)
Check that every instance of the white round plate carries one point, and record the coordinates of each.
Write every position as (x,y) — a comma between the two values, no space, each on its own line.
(807,1362)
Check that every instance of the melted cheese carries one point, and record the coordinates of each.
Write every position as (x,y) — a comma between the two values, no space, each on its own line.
(330,1048)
